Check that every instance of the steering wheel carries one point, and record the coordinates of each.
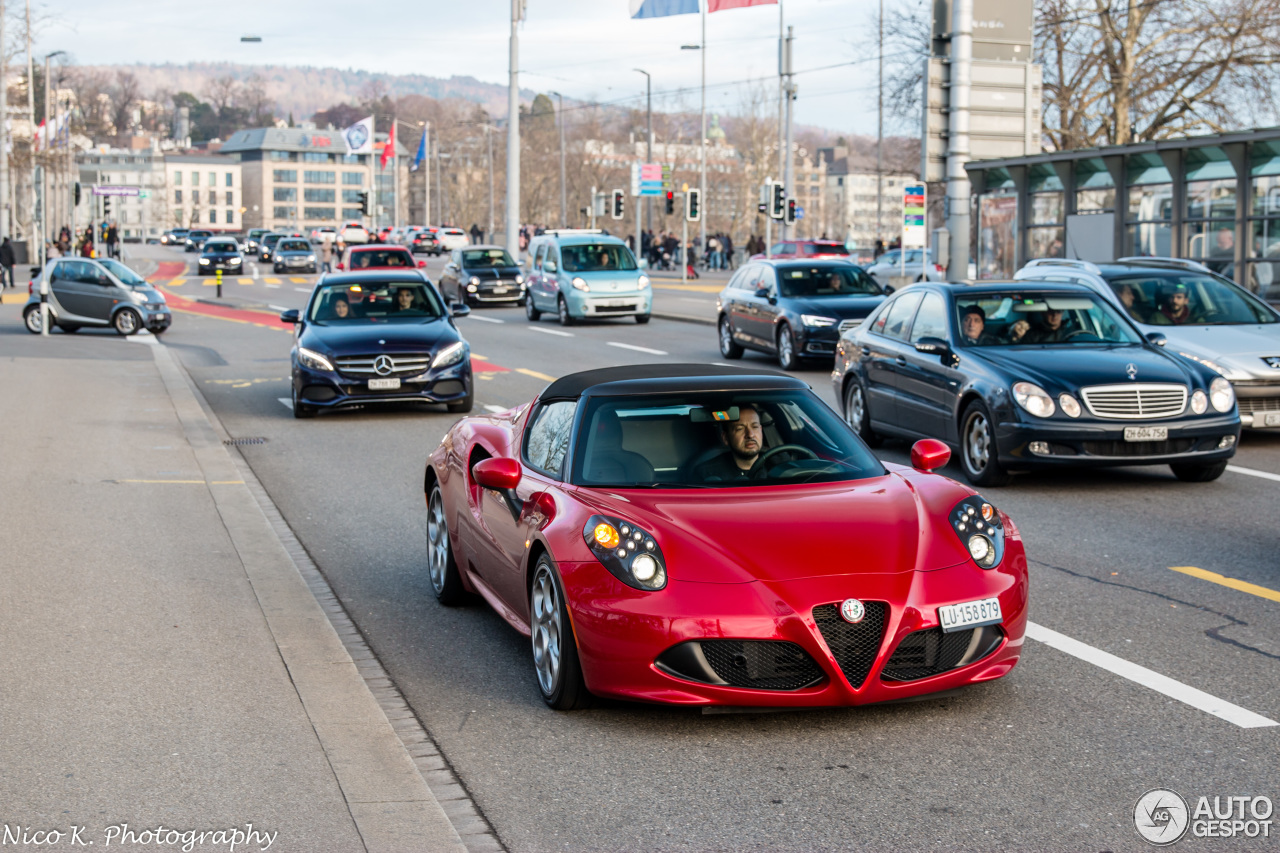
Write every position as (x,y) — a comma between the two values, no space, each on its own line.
(759,468)
(1077,333)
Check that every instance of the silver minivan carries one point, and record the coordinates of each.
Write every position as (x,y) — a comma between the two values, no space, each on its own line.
(96,292)
(580,274)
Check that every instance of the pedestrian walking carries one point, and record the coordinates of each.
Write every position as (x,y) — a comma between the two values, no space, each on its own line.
(113,241)
(326,255)
(6,263)
(477,236)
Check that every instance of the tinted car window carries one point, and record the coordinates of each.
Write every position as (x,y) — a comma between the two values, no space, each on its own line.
(375,302)
(380,258)
(899,316)
(1209,301)
(819,281)
(220,246)
(1019,318)
(931,319)
(293,246)
(487,258)
(825,249)
(597,258)
(549,436)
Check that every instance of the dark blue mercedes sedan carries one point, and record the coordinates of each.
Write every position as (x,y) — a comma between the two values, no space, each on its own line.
(1022,375)
(384,337)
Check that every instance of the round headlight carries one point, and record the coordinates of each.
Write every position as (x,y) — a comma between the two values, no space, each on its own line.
(581,284)
(1033,398)
(1221,395)
(980,549)
(645,568)
(1070,406)
(642,282)
(519,279)
(474,281)
(1199,402)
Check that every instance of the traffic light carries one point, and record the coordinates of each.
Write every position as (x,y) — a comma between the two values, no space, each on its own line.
(693,205)
(77,194)
(671,202)
(364,202)
(619,204)
(791,211)
(777,200)
(106,206)
(762,208)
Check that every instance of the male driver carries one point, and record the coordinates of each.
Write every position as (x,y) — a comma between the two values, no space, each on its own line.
(973,322)
(744,439)
(1176,309)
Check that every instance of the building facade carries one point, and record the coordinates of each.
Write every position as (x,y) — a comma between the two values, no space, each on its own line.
(138,217)
(204,191)
(862,206)
(298,179)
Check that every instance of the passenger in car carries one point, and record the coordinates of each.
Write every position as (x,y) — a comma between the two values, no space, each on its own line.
(1175,309)
(1128,297)
(340,309)
(1051,330)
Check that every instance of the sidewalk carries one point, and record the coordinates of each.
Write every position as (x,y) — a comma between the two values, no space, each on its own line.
(165,664)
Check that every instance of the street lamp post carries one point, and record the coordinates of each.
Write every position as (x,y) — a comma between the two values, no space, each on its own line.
(648,146)
(513,134)
(564,196)
(702,142)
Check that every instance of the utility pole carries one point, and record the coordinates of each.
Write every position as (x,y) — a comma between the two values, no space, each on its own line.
(880,138)
(958,139)
(488,135)
(395,173)
(439,188)
(648,147)
(426,176)
(702,140)
(564,197)
(788,176)
(513,134)
(782,90)
(5,144)
(33,251)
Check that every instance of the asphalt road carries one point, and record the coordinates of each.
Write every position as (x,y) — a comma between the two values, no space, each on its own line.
(1053,757)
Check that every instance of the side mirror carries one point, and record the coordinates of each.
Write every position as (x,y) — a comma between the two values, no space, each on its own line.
(549,266)
(290,316)
(497,472)
(933,346)
(929,453)
(889,290)
(339,265)
(459,309)
(1157,338)
(422,263)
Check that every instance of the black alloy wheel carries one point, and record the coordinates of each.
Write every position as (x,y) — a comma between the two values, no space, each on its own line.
(461,407)
(979,456)
(857,414)
(729,348)
(1198,472)
(301,410)
(641,319)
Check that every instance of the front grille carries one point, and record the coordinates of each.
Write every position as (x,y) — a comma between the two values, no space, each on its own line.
(1253,405)
(931,652)
(362,365)
(853,645)
(761,664)
(1137,448)
(1133,402)
(614,309)
(846,325)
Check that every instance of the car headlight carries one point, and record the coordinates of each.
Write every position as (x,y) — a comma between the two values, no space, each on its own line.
(642,282)
(311,259)
(980,528)
(581,284)
(1199,402)
(630,553)
(138,298)
(313,360)
(235,260)
(817,320)
(452,354)
(1033,398)
(1221,395)
(1070,405)
(204,260)
(474,281)
(519,279)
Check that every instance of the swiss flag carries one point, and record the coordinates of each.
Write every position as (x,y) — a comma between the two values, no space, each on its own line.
(721,5)
(390,147)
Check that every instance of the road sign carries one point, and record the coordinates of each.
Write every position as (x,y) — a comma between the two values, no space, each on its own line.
(144,194)
(116,190)
(646,179)
(799,212)
(914,233)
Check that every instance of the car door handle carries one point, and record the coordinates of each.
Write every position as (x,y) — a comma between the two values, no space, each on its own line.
(901,360)
(866,350)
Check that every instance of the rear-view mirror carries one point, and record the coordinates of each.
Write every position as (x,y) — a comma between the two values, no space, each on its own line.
(339,265)
(932,346)
(422,263)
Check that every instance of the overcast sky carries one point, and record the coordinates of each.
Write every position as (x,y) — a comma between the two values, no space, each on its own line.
(583,48)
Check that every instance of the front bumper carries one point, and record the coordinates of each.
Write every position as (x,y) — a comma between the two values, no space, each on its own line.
(326,390)
(496,291)
(1092,442)
(612,304)
(626,636)
(818,341)
(1259,404)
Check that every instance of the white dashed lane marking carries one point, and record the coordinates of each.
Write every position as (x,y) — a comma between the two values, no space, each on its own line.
(637,348)
(1266,475)
(546,331)
(483,319)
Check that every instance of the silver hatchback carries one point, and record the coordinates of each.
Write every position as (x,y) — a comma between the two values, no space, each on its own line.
(103,293)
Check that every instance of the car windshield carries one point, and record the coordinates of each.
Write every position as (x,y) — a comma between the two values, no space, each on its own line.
(123,273)
(716,440)
(824,249)
(293,246)
(823,281)
(212,246)
(375,302)
(1188,299)
(381,258)
(597,257)
(1020,318)
(200,234)
(272,239)
(487,258)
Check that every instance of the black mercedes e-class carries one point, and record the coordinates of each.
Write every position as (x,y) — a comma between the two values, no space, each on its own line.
(385,337)
(483,274)
(1022,375)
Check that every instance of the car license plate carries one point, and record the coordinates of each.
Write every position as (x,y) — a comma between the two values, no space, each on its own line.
(969,614)
(384,384)
(1271,419)
(500,289)
(1146,433)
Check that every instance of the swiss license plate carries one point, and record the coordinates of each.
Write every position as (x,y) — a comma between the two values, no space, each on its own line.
(1271,419)
(1146,433)
(383,384)
(500,289)
(969,614)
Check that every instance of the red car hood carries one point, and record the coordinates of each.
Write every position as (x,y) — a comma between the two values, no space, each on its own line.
(781,533)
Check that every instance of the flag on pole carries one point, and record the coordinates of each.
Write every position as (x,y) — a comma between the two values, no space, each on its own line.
(421,155)
(389,148)
(38,138)
(721,5)
(663,8)
(359,137)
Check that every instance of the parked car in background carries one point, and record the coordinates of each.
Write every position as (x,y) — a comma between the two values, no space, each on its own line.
(353,232)
(795,310)
(916,264)
(814,249)
(1220,324)
(293,254)
(104,293)
(482,274)
(220,253)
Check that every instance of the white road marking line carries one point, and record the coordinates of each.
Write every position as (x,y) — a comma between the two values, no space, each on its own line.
(1266,475)
(277,308)
(302,289)
(288,404)
(636,348)
(550,331)
(483,319)
(1185,693)
(489,407)
(273,285)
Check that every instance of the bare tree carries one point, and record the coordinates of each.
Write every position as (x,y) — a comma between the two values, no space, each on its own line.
(124,95)
(252,98)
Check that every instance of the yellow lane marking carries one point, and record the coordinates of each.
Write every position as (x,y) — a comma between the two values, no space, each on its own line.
(695,288)
(244,280)
(187,482)
(1242,586)
(536,375)
(296,280)
(210,283)
(270,280)
(13,299)
(177,282)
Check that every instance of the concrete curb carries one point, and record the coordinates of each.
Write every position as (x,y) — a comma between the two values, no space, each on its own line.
(388,798)
(684,318)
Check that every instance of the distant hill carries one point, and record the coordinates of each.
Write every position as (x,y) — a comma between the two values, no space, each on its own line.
(304,90)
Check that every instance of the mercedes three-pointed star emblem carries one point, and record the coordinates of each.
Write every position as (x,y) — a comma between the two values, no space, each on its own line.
(1132,370)
(383,365)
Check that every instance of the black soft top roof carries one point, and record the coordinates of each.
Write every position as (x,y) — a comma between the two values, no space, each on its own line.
(657,378)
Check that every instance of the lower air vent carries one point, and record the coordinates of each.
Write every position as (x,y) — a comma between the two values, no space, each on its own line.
(931,652)
(754,664)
